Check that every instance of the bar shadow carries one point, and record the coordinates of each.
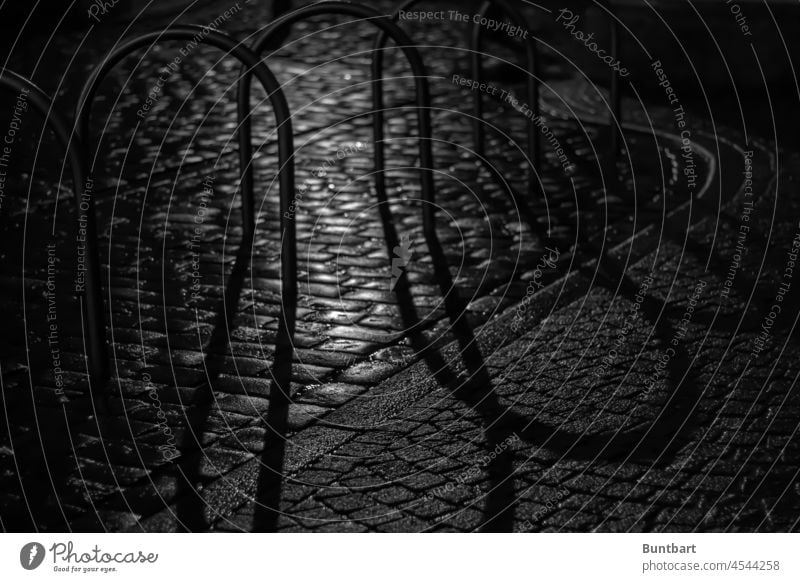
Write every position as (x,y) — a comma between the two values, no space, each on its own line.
(270,479)
(190,505)
(501,422)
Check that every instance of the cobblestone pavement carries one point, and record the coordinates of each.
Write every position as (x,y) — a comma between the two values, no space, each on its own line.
(619,396)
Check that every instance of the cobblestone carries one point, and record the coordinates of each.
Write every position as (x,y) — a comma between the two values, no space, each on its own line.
(369,430)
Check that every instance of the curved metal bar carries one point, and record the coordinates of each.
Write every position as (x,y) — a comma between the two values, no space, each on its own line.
(285,143)
(89,293)
(422,93)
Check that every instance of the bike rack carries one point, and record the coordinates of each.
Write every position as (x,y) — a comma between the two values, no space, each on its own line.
(533,82)
(91,300)
(615,114)
(389,28)
(98,361)
(78,149)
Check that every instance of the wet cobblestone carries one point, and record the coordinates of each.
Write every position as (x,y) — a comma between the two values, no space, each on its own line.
(357,459)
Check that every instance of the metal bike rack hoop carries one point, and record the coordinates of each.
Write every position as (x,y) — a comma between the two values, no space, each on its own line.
(285,147)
